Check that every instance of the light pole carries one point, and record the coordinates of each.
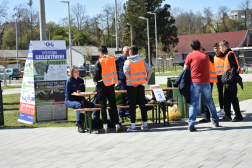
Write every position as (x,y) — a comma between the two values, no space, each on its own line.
(49,34)
(16,38)
(131,33)
(70,50)
(155,37)
(116,26)
(141,17)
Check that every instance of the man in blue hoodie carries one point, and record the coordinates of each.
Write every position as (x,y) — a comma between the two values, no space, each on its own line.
(122,82)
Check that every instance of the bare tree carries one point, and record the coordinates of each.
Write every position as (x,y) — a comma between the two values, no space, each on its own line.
(209,19)
(108,16)
(79,11)
(223,17)
(3,8)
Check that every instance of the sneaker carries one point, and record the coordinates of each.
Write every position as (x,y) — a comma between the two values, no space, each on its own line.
(132,129)
(127,118)
(121,120)
(119,129)
(204,120)
(237,119)
(221,112)
(216,125)
(80,127)
(226,119)
(144,128)
(191,128)
(103,130)
(169,102)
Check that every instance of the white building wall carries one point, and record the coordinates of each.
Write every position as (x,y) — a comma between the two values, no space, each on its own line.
(77,58)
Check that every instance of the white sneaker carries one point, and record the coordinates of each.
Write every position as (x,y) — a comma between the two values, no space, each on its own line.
(221,112)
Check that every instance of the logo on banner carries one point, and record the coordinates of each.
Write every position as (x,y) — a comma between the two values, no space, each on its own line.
(49,44)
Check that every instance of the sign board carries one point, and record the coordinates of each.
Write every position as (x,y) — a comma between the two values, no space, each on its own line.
(159,94)
(43,87)
(179,55)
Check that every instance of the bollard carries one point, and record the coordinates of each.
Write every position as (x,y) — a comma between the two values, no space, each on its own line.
(9,80)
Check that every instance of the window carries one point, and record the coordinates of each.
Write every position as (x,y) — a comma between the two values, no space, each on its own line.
(8,70)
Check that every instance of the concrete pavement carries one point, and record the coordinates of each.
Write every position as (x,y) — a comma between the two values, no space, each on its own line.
(227,146)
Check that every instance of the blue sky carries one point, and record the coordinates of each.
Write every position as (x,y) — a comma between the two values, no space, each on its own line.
(56,10)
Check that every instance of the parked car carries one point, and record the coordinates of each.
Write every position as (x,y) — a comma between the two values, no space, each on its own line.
(10,73)
(92,69)
(82,71)
(21,72)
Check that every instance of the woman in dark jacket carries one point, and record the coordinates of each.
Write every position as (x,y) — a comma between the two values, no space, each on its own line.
(76,84)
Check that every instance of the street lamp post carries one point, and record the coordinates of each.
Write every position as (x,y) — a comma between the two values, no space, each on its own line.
(49,34)
(116,26)
(141,17)
(156,38)
(70,50)
(131,33)
(16,38)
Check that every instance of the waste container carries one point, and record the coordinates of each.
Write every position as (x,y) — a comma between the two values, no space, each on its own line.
(1,107)
(152,79)
(183,107)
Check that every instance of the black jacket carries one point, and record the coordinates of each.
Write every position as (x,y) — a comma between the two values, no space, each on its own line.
(183,83)
(230,79)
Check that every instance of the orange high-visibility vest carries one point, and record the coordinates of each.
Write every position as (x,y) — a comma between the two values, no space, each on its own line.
(227,63)
(213,76)
(109,73)
(219,65)
(138,73)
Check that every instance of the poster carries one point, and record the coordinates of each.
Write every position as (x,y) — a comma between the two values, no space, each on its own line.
(43,84)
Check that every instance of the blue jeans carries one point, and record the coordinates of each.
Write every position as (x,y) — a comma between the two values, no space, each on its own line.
(77,105)
(205,90)
(125,111)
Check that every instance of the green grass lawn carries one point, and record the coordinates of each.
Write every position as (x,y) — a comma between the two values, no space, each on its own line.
(11,108)
(11,87)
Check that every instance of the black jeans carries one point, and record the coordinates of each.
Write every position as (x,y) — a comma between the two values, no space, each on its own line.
(219,85)
(104,93)
(205,108)
(231,97)
(136,94)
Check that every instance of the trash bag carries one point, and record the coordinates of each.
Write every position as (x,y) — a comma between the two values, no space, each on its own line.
(174,113)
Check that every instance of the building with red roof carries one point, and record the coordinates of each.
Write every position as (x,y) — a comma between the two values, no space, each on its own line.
(235,39)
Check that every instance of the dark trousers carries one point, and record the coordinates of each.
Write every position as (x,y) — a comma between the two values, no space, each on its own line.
(96,113)
(205,108)
(219,85)
(104,93)
(136,94)
(231,97)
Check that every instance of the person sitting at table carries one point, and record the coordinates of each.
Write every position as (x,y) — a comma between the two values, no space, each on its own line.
(76,84)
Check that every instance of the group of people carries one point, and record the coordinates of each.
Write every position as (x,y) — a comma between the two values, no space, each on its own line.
(222,69)
(132,73)
(129,71)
